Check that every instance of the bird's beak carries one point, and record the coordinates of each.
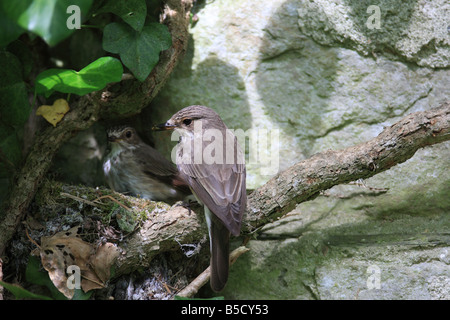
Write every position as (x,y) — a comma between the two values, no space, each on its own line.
(113,139)
(164,126)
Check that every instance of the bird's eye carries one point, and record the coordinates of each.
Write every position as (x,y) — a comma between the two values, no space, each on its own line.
(187,121)
(128,134)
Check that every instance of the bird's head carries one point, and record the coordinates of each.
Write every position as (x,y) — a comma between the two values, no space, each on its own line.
(123,137)
(192,117)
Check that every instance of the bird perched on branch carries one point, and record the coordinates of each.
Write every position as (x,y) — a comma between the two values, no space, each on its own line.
(136,168)
(210,160)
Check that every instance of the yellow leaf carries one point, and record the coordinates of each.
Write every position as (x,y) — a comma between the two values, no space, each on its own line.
(55,112)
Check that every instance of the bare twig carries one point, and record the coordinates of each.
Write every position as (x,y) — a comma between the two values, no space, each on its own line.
(114,200)
(31,240)
(362,184)
(191,289)
(71,196)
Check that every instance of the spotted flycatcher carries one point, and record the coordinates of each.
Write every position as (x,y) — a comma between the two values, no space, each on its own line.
(210,160)
(136,168)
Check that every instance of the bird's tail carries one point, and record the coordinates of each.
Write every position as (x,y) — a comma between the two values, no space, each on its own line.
(219,237)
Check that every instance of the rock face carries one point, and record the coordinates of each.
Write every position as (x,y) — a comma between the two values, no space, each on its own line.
(327,75)
(316,75)
(415,31)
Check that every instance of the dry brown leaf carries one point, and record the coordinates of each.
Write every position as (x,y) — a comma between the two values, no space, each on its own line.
(55,112)
(60,251)
(66,248)
(103,259)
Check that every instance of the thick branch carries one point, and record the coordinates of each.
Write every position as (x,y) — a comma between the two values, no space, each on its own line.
(89,109)
(299,183)
(304,180)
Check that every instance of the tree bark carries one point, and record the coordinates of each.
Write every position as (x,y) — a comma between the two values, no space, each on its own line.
(301,182)
(89,109)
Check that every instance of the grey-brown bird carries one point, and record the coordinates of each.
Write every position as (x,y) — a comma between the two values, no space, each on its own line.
(135,168)
(214,168)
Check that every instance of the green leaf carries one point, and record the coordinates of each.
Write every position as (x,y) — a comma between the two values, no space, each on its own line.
(132,12)
(21,293)
(33,274)
(47,19)
(93,77)
(10,29)
(139,51)
(14,105)
(14,112)
(79,294)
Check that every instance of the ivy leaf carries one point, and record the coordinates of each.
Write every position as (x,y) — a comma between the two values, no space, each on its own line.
(93,77)
(21,293)
(139,51)
(14,105)
(79,294)
(10,29)
(35,275)
(132,12)
(47,19)
(14,111)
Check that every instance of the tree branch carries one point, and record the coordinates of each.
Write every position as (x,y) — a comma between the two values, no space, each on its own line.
(301,182)
(89,109)
(304,180)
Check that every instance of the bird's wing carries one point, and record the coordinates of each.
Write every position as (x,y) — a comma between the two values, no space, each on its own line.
(158,167)
(152,159)
(221,187)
